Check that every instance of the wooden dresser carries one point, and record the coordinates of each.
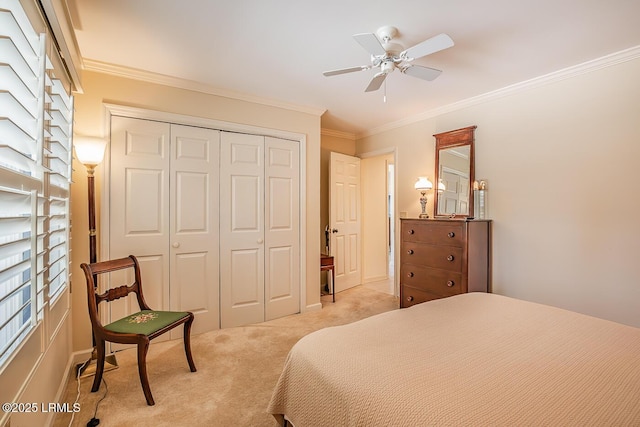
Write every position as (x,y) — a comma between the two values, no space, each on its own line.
(443,257)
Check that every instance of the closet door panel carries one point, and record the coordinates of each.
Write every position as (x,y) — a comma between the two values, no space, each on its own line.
(282,235)
(247,278)
(246,199)
(281,282)
(139,209)
(241,229)
(139,199)
(143,205)
(194,225)
(164,210)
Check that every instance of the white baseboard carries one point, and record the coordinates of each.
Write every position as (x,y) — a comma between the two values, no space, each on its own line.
(375,279)
(313,307)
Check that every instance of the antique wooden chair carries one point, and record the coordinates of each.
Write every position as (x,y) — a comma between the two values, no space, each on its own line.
(138,328)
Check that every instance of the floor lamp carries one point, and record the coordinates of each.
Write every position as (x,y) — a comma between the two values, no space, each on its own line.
(90,152)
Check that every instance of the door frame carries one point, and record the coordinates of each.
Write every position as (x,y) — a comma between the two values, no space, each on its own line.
(180,119)
(396,236)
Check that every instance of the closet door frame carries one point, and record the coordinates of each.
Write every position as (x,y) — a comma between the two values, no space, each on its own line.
(141,113)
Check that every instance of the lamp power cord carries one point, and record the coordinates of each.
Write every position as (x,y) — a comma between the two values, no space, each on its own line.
(93,422)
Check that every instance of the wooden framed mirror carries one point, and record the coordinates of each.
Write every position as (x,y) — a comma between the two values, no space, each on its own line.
(454,175)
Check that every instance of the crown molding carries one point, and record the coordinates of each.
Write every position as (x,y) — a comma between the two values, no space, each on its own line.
(566,73)
(162,79)
(338,134)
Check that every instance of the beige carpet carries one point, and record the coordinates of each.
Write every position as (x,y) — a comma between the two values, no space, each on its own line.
(237,370)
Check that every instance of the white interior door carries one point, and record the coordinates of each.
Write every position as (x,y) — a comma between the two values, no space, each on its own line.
(241,229)
(163,209)
(344,219)
(282,225)
(455,197)
(194,226)
(213,217)
(139,209)
(463,197)
(259,229)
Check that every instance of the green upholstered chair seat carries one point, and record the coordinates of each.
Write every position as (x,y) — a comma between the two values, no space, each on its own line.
(145,322)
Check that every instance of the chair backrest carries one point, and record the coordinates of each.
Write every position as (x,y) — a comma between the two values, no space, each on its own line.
(91,273)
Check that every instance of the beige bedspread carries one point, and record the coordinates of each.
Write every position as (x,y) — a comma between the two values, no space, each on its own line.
(470,360)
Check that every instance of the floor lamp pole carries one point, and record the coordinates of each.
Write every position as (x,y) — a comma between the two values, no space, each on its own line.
(89,367)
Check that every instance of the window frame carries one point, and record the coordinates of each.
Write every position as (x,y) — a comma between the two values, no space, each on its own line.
(34,117)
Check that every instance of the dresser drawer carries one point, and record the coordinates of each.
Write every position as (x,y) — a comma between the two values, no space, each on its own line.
(439,282)
(450,233)
(444,257)
(411,296)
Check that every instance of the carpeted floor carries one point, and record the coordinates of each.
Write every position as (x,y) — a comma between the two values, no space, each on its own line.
(237,370)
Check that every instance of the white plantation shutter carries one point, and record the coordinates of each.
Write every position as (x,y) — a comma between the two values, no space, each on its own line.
(35,168)
(16,264)
(57,159)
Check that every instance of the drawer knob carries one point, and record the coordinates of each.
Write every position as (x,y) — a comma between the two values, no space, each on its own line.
(410,274)
(450,283)
(411,231)
(409,298)
(451,234)
(410,251)
(450,258)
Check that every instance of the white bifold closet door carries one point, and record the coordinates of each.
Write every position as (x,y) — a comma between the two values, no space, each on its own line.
(259,228)
(163,201)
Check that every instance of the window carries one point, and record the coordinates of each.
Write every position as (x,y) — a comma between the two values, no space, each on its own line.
(35,169)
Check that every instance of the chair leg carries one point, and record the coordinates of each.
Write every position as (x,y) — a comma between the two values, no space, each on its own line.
(187,343)
(142,370)
(100,354)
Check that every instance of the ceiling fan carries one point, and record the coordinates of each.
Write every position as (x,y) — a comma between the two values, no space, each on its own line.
(388,56)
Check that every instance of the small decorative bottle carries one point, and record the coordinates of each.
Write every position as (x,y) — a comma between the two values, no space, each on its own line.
(481,198)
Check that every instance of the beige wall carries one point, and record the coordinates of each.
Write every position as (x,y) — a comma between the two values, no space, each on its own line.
(373,175)
(561,164)
(415,156)
(89,120)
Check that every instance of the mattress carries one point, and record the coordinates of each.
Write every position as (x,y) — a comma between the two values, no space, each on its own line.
(468,360)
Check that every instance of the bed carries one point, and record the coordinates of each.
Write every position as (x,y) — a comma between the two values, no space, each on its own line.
(474,359)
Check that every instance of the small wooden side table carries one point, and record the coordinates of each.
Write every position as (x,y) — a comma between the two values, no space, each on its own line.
(326,264)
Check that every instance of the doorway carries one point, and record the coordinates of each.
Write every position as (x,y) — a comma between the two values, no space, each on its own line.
(379,221)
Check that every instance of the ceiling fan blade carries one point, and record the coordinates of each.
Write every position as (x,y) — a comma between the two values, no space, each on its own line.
(427,47)
(346,70)
(370,43)
(376,82)
(424,73)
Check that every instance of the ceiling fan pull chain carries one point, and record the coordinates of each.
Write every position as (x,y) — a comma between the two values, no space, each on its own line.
(384,96)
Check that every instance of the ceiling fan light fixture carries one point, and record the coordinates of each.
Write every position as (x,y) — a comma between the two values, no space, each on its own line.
(387,56)
(387,66)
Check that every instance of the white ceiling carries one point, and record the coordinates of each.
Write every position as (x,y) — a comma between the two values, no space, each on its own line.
(278,49)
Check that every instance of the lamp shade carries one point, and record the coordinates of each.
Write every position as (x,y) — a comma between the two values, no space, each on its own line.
(89,150)
(423,183)
(441,186)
